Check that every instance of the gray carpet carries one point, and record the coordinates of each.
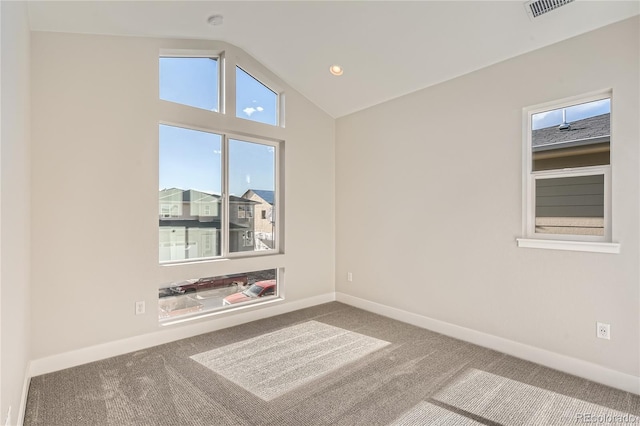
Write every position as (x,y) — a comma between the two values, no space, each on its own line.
(326,365)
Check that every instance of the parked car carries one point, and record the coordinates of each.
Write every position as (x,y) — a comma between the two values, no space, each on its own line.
(259,289)
(190,286)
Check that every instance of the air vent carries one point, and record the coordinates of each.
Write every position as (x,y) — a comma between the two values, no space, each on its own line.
(540,7)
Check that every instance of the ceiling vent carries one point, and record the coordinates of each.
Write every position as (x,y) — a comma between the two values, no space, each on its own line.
(540,7)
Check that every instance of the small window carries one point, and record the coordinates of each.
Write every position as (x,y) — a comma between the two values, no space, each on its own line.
(263,214)
(190,81)
(254,100)
(241,214)
(568,179)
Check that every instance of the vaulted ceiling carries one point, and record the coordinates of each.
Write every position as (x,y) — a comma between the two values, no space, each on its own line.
(387,48)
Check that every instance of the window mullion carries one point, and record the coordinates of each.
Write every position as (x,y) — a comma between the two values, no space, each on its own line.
(225,225)
(229,83)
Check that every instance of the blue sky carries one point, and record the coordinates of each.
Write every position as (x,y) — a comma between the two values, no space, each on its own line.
(575,112)
(191,159)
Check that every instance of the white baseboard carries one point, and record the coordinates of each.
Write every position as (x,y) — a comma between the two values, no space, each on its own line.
(169,334)
(23,399)
(567,364)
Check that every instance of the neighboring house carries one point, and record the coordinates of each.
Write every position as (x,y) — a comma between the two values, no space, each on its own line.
(264,214)
(190,224)
(571,205)
(584,143)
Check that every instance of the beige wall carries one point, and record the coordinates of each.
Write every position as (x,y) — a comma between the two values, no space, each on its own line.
(14,206)
(429,204)
(95,141)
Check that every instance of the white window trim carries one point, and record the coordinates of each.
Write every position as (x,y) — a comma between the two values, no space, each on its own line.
(531,239)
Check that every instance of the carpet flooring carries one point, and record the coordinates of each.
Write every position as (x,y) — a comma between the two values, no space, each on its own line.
(331,364)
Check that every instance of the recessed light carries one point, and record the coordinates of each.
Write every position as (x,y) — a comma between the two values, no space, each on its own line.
(336,70)
(215,20)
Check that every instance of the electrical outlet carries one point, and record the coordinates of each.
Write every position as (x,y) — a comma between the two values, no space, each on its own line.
(349,276)
(140,309)
(603,331)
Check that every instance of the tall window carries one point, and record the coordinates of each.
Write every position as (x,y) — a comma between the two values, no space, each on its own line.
(208,178)
(569,169)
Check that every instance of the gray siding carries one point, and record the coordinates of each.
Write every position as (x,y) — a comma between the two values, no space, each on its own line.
(581,196)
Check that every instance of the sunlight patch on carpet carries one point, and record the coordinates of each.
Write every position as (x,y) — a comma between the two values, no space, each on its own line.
(275,363)
(507,401)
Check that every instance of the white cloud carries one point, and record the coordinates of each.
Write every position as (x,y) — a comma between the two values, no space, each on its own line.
(251,110)
(217,152)
(248,178)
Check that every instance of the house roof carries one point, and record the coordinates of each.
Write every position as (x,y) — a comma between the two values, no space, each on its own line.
(266,195)
(187,195)
(592,129)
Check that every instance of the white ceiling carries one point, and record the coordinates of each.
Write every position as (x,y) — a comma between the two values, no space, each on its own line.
(387,48)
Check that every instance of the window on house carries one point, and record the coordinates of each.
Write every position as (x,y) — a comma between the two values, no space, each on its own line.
(569,167)
(254,100)
(190,81)
(263,214)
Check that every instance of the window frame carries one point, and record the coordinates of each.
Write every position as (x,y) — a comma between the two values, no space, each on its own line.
(533,239)
(225,207)
(225,123)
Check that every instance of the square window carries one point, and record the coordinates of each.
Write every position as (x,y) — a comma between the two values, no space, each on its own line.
(198,217)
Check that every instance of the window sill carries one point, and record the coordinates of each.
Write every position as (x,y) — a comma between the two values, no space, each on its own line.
(590,246)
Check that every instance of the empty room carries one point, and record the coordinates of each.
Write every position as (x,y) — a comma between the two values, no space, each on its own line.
(319,212)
